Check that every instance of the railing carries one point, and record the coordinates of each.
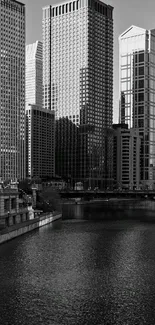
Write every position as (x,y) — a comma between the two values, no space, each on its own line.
(106,193)
(24,224)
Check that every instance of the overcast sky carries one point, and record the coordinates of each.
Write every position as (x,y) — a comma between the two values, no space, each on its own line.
(126,13)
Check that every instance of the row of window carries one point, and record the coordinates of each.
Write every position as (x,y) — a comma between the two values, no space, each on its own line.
(13,6)
(69,7)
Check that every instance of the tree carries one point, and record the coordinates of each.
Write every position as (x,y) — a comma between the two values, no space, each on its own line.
(49,200)
(25,185)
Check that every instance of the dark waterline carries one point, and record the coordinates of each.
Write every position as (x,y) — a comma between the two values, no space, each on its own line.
(84,269)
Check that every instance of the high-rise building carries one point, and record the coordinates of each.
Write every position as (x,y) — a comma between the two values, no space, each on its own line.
(12,89)
(40,123)
(66,149)
(34,72)
(78,82)
(40,142)
(126,157)
(137,93)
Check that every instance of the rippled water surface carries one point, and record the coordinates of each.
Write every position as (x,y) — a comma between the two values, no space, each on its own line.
(81,271)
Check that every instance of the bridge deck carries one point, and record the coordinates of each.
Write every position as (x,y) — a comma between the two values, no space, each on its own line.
(109,194)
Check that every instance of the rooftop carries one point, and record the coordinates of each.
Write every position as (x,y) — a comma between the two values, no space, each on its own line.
(68,1)
(39,108)
(20,3)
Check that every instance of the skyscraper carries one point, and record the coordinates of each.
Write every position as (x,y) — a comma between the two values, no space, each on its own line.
(40,142)
(78,82)
(137,93)
(12,89)
(40,123)
(126,157)
(34,71)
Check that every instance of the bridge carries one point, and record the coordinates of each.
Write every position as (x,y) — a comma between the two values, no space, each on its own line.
(88,195)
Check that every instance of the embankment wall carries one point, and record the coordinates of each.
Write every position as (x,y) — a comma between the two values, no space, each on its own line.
(29,225)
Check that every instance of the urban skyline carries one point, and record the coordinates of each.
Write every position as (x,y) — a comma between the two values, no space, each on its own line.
(78,87)
(139,13)
(63,160)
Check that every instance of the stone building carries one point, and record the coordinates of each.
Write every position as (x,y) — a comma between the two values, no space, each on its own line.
(14,208)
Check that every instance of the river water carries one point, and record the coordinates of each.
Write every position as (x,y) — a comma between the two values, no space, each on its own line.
(96,266)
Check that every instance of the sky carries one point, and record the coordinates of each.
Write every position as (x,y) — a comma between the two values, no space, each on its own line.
(126,13)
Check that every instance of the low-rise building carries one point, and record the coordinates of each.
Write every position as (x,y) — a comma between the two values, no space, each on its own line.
(55,184)
(14,208)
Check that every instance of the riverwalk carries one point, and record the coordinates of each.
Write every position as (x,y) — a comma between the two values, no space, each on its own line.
(19,229)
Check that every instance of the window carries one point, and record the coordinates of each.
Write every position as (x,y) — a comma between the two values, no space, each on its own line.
(13,203)
(66,8)
(6,205)
(140,123)
(141,57)
(141,71)
(124,60)
(141,83)
(141,110)
(124,73)
(140,97)
(14,220)
(7,222)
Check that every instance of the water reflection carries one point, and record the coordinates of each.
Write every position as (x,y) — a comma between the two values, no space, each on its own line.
(82,272)
(111,210)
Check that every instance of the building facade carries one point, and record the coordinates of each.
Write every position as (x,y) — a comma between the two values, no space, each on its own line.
(78,82)
(66,149)
(137,93)
(14,209)
(34,73)
(12,89)
(126,157)
(40,144)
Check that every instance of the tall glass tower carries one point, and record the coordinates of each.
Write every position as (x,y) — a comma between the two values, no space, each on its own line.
(34,73)
(137,93)
(12,89)
(78,86)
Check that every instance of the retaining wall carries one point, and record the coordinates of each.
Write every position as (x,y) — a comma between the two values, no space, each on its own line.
(29,225)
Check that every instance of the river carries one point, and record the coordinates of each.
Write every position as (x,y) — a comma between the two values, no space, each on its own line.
(96,266)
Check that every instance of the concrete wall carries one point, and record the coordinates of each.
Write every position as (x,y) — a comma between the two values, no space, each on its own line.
(30,225)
